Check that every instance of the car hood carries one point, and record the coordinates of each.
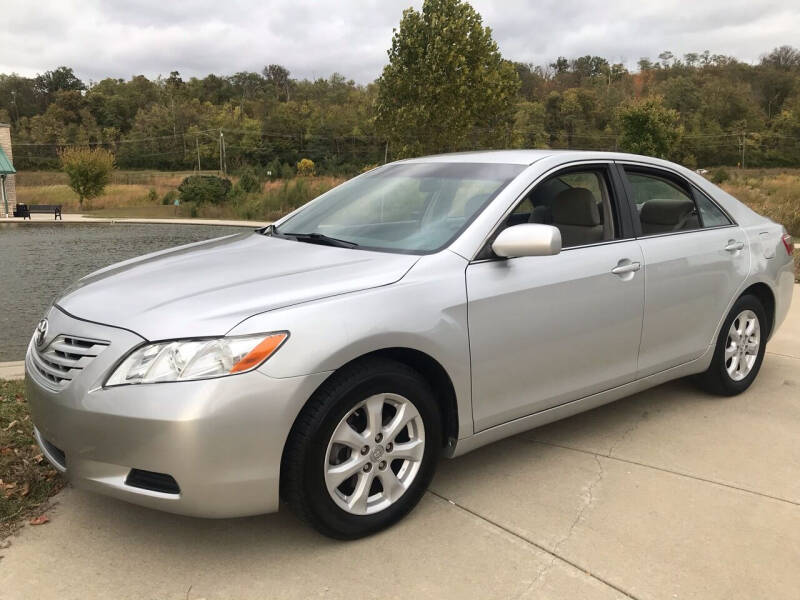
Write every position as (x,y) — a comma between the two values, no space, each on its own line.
(205,289)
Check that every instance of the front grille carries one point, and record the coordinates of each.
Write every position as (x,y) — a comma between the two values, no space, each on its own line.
(65,357)
(155,482)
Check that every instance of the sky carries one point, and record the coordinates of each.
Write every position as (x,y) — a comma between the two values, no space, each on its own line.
(314,38)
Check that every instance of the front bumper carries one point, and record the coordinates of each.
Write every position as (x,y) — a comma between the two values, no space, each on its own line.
(220,439)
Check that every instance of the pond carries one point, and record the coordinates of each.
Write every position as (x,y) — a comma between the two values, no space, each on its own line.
(38,261)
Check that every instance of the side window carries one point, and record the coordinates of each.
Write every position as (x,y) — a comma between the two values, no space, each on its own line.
(710,214)
(663,205)
(577,202)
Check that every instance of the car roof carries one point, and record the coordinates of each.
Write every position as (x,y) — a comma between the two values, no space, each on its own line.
(526,157)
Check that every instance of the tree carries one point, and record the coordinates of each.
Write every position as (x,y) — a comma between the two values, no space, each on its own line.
(784,57)
(306,167)
(647,127)
(446,86)
(62,79)
(204,188)
(278,76)
(89,170)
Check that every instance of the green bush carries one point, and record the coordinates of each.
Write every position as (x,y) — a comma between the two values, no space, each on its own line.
(169,197)
(249,180)
(720,175)
(273,170)
(287,172)
(204,188)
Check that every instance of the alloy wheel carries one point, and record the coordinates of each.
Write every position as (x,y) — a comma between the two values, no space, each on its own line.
(742,345)
(374,454)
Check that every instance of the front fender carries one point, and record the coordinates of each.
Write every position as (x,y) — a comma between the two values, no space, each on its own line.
(425,311)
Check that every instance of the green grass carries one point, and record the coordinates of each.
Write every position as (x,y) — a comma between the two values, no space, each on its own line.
(27,480)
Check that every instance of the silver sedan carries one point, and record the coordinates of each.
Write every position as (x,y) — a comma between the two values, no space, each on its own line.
(423,309)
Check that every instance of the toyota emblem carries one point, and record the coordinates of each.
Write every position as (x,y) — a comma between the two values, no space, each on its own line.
(41,332)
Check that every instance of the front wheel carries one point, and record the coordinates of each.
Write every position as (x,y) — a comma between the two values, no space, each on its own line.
(740,349)
(363,450)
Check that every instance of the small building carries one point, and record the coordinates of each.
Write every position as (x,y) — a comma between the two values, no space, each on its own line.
(8,190)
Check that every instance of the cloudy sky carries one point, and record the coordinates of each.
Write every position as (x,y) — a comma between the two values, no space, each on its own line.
(314,38)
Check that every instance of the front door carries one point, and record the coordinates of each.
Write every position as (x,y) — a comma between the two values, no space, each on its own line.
(547,330)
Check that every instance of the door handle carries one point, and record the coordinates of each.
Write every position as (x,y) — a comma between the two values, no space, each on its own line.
(627,268)
(733,246)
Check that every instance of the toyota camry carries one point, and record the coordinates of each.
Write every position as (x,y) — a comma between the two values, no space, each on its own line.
(418,311)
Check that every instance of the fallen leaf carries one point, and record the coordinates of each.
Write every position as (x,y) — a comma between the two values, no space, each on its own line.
(40,520)
(10,425)
(26,488)
(6,450)
(38,458)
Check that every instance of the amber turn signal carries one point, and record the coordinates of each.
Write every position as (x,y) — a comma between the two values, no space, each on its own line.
(260,353)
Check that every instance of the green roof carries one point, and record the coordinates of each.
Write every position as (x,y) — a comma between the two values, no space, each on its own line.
(6,168)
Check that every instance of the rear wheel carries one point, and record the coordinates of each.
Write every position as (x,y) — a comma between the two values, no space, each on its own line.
(740,349)
(363,450)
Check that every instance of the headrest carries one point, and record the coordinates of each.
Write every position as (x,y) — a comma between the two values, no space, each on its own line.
(576,206)
(666,211)
(539,214)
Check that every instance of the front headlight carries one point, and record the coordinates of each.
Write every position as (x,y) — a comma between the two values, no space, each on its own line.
(187,360)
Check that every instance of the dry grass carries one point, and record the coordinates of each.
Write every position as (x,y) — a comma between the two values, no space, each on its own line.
(774,193)
(27,480)
(140,193)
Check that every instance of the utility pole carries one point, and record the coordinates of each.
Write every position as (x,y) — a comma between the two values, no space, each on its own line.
(224,156)
(220,152)
(197,145)
(386,153)
(744,144)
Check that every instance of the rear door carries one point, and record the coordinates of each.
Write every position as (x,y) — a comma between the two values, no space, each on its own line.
(546,330)
(695,259)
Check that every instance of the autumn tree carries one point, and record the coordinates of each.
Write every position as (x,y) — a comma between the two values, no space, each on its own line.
(446,86)
(88,169)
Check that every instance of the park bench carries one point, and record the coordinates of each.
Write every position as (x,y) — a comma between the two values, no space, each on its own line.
(25,210)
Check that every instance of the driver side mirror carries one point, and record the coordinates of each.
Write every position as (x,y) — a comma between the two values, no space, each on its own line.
(528,239)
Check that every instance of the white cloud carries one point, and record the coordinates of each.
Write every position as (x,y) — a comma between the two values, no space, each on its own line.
(314,38)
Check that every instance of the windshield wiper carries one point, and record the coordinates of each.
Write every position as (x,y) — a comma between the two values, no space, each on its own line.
(319,238)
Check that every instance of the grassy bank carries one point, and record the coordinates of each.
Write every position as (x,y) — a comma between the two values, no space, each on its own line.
(774,193)
(27,480)
(141,194)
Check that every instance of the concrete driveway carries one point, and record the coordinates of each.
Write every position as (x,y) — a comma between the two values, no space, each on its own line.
(667,494)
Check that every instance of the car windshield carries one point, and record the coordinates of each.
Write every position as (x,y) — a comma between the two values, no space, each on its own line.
(411,207)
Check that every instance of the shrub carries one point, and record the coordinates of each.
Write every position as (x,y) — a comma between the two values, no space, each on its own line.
(249,180)
(204,188)
(720,175)
(169,197)
(306,167)
(152,196)
(273,169)
(287,172)
(88,169)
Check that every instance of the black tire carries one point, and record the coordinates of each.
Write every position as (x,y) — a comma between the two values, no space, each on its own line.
(302,480)
(716,379)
